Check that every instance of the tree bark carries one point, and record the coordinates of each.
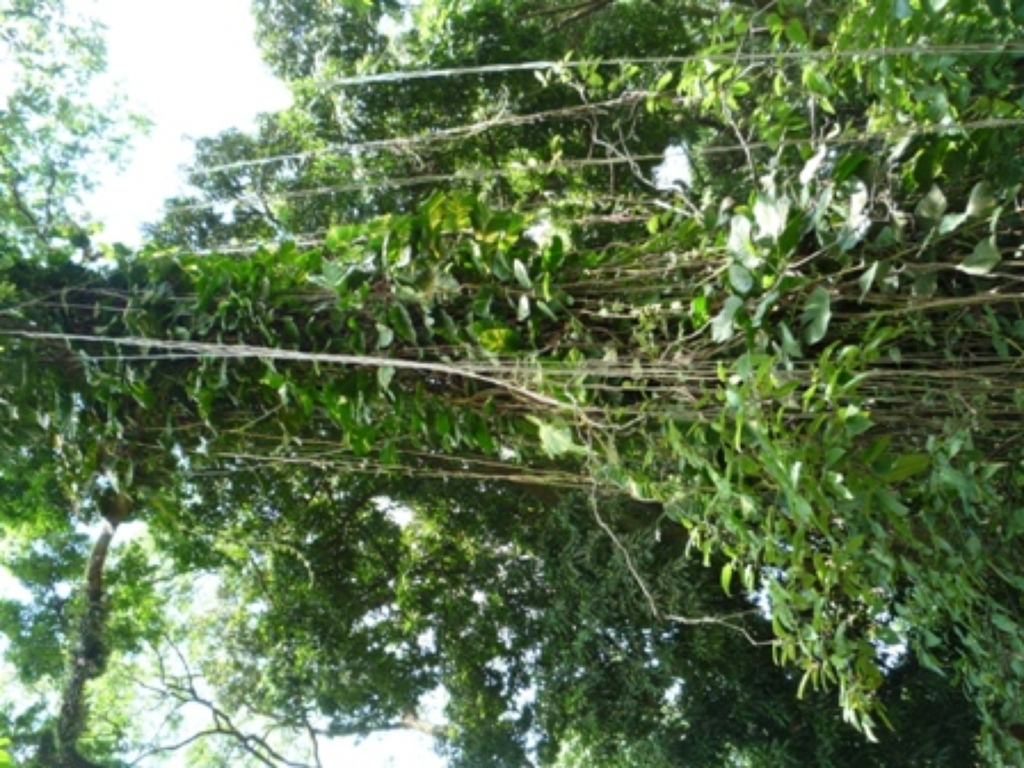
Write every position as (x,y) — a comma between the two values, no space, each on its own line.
(88,653)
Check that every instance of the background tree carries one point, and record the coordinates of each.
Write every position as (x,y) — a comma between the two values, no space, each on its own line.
(577,145)
(52,134)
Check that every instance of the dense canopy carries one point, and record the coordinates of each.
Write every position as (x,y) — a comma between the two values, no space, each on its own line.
(616,383)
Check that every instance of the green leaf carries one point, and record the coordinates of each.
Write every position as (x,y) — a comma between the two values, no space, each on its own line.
(498,340)
(523,308)
(522,276)
(770,215)
(890,502)
(932,205)
(865,281)
(401,322)
(727,577)
(981,201)
(739,88)
(556,440)
(848,165)
(817,314)
(340,237)
(384,336)
(739,245)
(740,279)
(790,346)
(1005,623)
(983,259)
(795,32)
(812,166)
(385,374)
(721,326)
(950,222)
(908,465)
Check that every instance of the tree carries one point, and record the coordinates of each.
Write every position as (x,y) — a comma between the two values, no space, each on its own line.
(52,135)
(348,151)
(809,383)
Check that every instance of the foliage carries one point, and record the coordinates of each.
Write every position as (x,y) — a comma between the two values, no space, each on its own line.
(349,151)
(54,134)
(797,365)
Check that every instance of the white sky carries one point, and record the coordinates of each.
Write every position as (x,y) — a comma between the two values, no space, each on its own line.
(192,67)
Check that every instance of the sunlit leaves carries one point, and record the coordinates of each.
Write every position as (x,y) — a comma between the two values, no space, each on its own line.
(740,245)
(522,276)
(556,440)
(722,326)
(983,259)
(816,315)
(770,215)
(740,279)
(932,205)
(982,200)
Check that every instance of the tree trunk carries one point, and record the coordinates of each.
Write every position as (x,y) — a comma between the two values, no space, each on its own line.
(88,653)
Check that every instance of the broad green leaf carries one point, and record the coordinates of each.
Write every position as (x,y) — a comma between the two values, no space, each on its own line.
(721,326)
(790,345)
(982,200)
(816,315)
(739,245)
(340,237)
(740,279)
(847,165)
(727,577)
(795,32)
(932,206)
(925,284)
(739,88)
(890,502)
(770,215)
(522,276)
(556,440)
(866,280)
(950,222)
(983,259)
(401,322)
(908,465)
(1005,623)
(384,336)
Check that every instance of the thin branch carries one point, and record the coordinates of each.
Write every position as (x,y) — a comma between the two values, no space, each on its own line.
(724,621)
(206,349)
(314,740)
(176,746)
(888,52)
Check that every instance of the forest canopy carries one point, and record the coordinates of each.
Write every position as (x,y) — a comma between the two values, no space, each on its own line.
(604,383)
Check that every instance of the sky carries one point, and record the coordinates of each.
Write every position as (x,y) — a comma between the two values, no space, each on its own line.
(192,68)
